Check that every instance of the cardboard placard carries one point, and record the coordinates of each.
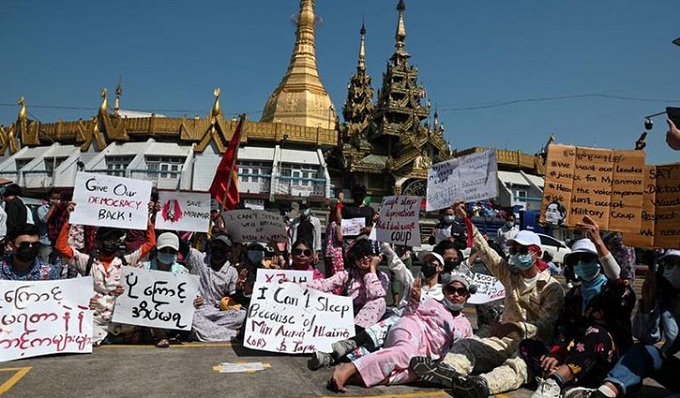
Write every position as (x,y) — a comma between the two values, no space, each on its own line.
(255,226)
(352,226)
(108,201)
(605,184)
(398,222)
(286,317)
(156,299)
(45,317)
(468,178)
(183,211)
(660,226)
(489,289)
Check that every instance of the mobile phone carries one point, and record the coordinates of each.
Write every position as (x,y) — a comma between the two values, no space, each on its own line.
(674,115)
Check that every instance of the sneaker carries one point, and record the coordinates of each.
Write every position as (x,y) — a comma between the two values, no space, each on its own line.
(547,388)
(320,360)
(343,347)
(470,387)
(583,392)
(433,372)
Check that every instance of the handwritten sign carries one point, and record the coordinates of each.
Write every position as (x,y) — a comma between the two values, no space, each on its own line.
(352,226)
(156,299)
(468,178)
(109,201)
(183,211)
(604,184)
(488,289)
(255,226)
(660,225)
(269,276)
(45,317)
(289,318)
(398,222)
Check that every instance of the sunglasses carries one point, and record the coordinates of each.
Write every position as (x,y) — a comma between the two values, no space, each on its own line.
(515,249)
(169,250)
(27,245)
(574,258)
(460,291)
(300,252)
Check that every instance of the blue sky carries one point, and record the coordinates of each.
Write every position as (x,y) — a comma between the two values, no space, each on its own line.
(587,71)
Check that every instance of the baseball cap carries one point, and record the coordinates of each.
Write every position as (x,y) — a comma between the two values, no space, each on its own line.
(167,239)
(584,245)
(525,238)
(423,254)
(670,253)
(224,239)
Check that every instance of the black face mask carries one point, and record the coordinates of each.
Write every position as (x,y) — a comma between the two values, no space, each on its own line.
(218,255)
(26,254)
(450,265)
(428,270)
(109,247)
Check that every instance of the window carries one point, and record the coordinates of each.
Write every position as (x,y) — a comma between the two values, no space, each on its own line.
(521,195)
(116,165)
(21,163)
(173,164)
(253,171)
(53,163)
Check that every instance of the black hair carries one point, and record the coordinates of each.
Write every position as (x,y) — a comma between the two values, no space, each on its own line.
(108,233)
(361,248)
(445,245)
(52,191)
(302,241)
(12,190)
(26,229)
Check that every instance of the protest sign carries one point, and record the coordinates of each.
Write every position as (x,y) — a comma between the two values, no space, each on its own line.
(286,317)
(468,178)
(660,226)
(269,276)
(183,211)
(398,221)
(352,226)
(45,317)
(255,226)
(489,289)
(605,184)
(108,201)
(157,299)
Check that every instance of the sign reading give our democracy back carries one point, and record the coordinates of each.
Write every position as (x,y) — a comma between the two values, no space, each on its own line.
(108,201)
(45,317)
(467,178)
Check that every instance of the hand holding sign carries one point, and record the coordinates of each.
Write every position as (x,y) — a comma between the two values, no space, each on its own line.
(590,227)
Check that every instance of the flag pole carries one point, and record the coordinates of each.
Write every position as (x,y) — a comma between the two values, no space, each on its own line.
(241,124)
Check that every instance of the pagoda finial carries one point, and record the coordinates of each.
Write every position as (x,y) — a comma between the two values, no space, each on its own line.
(362,48)
(216,110)
(22,111)
(401,28)
(119,93)
(103,108)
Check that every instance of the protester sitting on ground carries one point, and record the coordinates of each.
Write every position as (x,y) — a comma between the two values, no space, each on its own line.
(427,329)
(373,337)
(217,280)
(164,258)
(533,300)
(253,259)
(22,262)
(657,320)
(594,327)
(104,264)
(362,281)
(302,258)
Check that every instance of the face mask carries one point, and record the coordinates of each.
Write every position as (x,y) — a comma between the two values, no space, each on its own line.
(166,258)
(450,265)
(448,219)
(522,262)
(255,256)
(428,270)
(27,254)
(305,212)
(110,247)
(587,271)
(453,307)
(672,275)
(218,255)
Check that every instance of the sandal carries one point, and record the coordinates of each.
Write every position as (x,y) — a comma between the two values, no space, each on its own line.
(163,343)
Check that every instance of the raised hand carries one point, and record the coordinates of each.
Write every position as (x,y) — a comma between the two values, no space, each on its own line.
(459,210)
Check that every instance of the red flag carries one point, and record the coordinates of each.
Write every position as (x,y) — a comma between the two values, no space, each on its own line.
(224,187)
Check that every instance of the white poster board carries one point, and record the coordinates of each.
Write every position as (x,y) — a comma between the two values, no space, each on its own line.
(45,317)
(255,226)
(183,211)
(489,289)
(273,276)
(352,226)
(288,318)
(157,299)
(398,222)
(467,178)
(108,201)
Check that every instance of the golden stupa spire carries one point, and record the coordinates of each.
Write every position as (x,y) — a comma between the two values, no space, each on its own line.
(362,48)
(119,93)
(301,98)
(216,110)
(22,111)
(401,28)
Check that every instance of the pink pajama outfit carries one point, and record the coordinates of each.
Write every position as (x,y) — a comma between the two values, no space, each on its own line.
(428,330)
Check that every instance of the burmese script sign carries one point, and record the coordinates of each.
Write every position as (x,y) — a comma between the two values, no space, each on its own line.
(286,317)
(605,184)
(660,227)
(489,289)
(183,211)
(157,299)
(108,201)
(255,226)
(398,221)
(45,317)
(468,178)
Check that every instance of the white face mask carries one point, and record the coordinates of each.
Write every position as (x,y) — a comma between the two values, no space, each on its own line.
(672,275)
